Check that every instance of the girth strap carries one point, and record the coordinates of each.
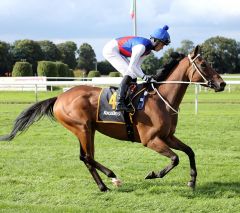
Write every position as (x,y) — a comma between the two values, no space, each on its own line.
(129,126)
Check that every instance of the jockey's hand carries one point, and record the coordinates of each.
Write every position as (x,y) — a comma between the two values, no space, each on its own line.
(149,79)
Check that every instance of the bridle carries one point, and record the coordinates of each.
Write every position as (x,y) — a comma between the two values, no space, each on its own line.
(194,68)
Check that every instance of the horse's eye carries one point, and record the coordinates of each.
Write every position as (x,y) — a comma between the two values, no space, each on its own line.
(203,65)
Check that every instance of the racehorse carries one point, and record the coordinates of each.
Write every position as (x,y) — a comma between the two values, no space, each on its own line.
(154,126)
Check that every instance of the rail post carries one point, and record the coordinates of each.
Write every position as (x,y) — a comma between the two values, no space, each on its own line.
(196,98)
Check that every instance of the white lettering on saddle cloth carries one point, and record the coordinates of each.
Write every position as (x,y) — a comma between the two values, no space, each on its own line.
(111,113)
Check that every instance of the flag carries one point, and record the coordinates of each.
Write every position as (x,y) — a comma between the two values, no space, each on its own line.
(132,9)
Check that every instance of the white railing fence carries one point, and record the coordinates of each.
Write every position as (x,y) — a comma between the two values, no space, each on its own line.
(37,84)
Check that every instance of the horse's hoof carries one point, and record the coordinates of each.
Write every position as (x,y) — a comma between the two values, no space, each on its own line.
(103,188)
(151,175)
(191,184)
(116,182)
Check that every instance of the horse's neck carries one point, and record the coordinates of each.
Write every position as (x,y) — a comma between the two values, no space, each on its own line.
(174,93)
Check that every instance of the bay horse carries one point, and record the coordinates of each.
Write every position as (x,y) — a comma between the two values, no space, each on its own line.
(154,125)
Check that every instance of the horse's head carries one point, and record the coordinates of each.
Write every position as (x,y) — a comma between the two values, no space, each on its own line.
(201,71)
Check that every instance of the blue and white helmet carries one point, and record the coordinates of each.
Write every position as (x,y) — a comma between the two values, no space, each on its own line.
(162,35)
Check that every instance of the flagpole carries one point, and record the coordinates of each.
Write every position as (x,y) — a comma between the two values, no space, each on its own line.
(135,18)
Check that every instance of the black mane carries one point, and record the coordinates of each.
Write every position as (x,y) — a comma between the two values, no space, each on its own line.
(163,72)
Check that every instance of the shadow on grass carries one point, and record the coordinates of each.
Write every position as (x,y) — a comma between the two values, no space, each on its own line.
(210,189)
(219,189)
(151,186)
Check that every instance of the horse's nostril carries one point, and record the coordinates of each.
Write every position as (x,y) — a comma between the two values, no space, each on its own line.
(222,84)
(221,87)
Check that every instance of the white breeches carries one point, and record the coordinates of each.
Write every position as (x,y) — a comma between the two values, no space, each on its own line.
(120,63)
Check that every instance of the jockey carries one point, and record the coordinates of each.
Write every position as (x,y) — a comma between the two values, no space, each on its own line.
(126,55)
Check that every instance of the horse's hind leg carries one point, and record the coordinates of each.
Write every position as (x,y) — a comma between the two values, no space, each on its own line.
(109,173)
(95,175)
(90,160)
(87,154)
(160,146)
(175,143)
(103,169)
(99,166)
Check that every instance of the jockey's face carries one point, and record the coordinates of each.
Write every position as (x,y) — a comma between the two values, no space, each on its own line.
(159,46)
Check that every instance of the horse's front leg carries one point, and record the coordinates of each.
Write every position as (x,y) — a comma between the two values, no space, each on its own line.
(162,148)
(175,143)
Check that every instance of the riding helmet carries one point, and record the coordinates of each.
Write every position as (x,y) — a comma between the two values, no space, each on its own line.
(162,35)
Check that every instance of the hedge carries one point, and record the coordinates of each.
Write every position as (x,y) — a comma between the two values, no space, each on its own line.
(114,74)
(47,68)
(70,73)
(93,74)
(22,69)
(79,74)
(62,69)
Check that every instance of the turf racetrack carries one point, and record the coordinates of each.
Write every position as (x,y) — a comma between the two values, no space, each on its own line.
(40,170)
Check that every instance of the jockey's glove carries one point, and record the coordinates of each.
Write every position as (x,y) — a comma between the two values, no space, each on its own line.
(149,79)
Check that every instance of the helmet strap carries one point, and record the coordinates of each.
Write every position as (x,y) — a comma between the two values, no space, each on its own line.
(154,41)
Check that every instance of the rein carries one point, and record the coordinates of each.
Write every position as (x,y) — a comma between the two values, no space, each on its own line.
(163,99)
(194,68)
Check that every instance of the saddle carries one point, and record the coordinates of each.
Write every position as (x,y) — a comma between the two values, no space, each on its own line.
(135,96)
(107,104)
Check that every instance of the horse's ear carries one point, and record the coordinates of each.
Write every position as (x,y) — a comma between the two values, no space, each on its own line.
(196,51)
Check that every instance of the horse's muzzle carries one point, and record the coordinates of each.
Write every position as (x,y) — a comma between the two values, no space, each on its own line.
(217,86)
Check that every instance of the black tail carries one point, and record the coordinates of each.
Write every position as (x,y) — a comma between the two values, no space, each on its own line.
(31,115)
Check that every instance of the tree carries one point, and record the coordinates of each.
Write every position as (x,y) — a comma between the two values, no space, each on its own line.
(238,52)
(68,53)
(87,57)
(150,65)
(104,67)
(50,51)
(166,56)
(5,58)
(27,50)
(186,47)
(222,53)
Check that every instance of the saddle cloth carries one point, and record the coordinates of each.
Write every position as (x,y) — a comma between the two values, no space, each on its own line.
(106,107)
(107,104)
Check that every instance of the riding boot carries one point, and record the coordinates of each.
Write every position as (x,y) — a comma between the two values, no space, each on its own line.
(134,80)
(123,87)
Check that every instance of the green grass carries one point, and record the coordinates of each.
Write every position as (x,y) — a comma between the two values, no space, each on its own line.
(25,97)
(40,170)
